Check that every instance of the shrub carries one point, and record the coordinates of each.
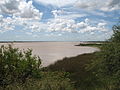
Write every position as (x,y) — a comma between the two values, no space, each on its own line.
(116,35)
(20,70)
(17,65)
(49,81)
(107,64)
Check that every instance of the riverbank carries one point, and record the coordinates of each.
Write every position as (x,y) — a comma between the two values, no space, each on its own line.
(76,66)
(50,52)
(92,44)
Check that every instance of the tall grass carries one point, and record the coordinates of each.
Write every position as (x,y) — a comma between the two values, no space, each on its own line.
(76,66)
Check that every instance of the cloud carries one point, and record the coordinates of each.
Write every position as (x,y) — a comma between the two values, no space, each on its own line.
(58,3)
(19,13)
(24,15)
(108,5)
(9,6)
(114,3)
(1,17)
(86,4)
(70,25)
(35,26)
(27,10)
(104,5)
(6,24)
(20,8)
(66,23)
(56,24)
(111,5)
(28,33)
(69,15)
(59,24)
(88,26)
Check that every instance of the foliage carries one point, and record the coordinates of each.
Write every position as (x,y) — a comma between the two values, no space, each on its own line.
(107,64)
(116,36)
(99,45)
(20,70)
(16,65)
(56,81)
(49,81)
(82,79)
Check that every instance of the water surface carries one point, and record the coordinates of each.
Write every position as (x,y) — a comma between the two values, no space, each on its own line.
(50,52)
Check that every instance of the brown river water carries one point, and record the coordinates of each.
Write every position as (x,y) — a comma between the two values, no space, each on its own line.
(50,52)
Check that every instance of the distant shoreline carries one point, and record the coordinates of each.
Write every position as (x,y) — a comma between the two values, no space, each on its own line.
(49,41)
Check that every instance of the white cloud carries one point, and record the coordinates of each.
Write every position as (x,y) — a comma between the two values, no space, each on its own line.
(60,34)
(104,5)
(111,5)
(25,15)
(20,8)
(69,25)
(27,10)
(56,12)
(59,24)
(58,3)
(2,2)
(29,25)
(6,24)
(35,36)
(28,33)
(67,15)
(87,26)
(87,4)
(9,6)
(1,18)
(21,13)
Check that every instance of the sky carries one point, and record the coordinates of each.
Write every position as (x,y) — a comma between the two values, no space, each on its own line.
(58,20)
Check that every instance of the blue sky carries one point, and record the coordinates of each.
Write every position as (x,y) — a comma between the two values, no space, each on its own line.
(58,20)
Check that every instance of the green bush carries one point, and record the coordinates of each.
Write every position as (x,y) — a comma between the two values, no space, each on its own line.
(107,64)
(49,81)
(116,35)
(17,66)
(20,70)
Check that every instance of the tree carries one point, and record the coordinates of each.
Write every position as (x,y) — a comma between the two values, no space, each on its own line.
(116,35)
(106,66)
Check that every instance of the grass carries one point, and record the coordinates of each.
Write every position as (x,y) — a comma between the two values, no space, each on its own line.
(48,81)
(76,66)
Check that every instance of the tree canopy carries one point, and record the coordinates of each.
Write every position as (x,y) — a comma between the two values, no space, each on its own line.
(106,66)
